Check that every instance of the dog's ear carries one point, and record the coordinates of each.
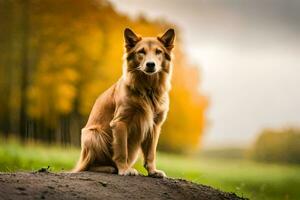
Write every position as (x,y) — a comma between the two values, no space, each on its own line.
(168,39)
(130,39)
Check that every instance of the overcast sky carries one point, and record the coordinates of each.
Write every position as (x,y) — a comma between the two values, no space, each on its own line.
(248,52)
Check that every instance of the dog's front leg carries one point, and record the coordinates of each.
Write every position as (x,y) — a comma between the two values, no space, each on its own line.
(120,153)
(149,151)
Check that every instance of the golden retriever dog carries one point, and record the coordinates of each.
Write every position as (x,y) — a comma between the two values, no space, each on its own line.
(128,116)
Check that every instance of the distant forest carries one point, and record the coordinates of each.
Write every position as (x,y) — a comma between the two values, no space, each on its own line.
(57,56)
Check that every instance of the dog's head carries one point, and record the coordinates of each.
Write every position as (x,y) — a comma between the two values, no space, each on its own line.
(148,54)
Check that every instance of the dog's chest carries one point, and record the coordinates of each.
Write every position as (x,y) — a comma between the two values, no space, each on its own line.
(157,102)
(142,111)
(149,114)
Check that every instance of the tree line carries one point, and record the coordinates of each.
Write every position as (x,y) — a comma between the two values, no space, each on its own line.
(57,56)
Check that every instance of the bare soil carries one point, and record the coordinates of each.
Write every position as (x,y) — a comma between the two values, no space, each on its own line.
(90,185)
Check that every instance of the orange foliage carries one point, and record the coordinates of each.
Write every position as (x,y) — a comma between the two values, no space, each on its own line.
(76,49)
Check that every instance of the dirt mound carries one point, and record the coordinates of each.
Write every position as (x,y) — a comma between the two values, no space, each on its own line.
(89,185)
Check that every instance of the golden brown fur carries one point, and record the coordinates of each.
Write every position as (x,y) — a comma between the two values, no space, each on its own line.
(128,116)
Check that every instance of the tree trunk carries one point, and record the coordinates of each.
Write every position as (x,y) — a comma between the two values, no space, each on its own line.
(24,67)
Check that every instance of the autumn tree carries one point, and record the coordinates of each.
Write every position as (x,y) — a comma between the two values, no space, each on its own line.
(70,52)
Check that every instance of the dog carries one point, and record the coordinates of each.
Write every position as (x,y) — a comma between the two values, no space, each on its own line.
(128,116)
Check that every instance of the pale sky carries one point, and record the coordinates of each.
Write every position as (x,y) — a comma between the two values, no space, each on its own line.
(248,52)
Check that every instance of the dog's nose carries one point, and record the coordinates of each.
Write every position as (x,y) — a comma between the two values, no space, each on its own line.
(150,66)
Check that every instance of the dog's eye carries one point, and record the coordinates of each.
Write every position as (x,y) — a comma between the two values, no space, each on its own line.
(142,52)
(158,51)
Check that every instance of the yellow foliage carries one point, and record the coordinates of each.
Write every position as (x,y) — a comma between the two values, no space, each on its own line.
(78,48)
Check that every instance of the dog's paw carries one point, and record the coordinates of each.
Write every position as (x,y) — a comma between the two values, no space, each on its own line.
(128,172)
(157,174)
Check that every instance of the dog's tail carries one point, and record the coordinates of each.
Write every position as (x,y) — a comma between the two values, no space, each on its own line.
(84,161)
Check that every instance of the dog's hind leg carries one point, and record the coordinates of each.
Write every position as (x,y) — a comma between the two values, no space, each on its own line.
(94,148)
(84,161)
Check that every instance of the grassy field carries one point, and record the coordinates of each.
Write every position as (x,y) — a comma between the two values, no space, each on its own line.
(244,177)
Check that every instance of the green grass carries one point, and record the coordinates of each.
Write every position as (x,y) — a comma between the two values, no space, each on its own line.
(244,177)
(16,157)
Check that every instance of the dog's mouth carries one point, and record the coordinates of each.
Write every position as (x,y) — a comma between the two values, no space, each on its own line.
(150,72)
